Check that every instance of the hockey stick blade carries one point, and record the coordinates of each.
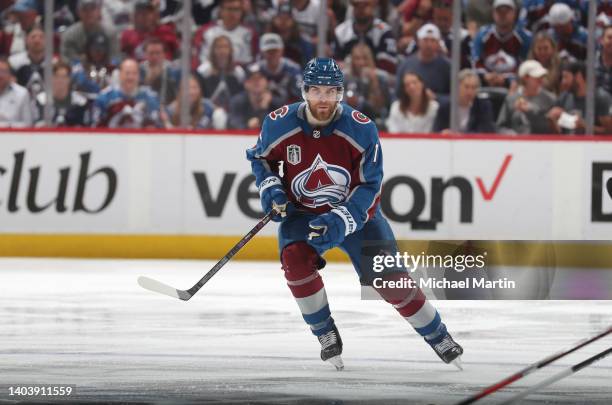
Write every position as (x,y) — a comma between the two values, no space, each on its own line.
(185,295)
(155,286)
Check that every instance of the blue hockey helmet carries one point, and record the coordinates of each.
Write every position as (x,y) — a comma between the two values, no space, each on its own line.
(323,72)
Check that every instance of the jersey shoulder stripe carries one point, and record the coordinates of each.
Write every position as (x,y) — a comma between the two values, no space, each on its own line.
(277,126)
(356,128)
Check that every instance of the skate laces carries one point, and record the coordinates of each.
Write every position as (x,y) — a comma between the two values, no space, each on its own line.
(328,339)
(446,344)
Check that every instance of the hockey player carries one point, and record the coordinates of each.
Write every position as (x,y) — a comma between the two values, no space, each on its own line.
(328,196)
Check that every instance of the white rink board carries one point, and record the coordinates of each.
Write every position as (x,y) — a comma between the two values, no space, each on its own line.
(545,192)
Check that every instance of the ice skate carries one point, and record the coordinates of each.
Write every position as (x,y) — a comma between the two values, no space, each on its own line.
(331,348)
(448,350)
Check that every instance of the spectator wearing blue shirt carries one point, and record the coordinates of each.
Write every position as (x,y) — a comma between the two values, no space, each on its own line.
(127,105)
(498,49)
(284,76)
(571,38)
(428,63)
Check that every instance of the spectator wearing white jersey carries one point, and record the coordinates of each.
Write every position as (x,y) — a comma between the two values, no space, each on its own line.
(307,14)
(244,38)
(15,105)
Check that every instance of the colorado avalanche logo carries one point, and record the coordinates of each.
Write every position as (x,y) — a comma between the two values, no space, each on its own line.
(321,184)
(500,62)
(280,113)
(360,117)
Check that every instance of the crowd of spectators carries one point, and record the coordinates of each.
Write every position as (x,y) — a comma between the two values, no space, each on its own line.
(117,62)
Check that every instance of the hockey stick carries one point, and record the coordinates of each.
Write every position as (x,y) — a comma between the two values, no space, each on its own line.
(158,287)
(531,368)
(565,373)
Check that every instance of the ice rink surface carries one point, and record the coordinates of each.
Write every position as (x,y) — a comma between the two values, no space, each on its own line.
(241,339)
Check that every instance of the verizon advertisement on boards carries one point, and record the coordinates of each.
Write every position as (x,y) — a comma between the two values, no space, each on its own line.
(169,184)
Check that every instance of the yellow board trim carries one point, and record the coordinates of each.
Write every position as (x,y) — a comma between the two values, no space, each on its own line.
(141,246)
(592,254)
(541,254)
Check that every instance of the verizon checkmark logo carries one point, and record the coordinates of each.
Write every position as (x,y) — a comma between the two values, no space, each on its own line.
(489,194)
(433,191)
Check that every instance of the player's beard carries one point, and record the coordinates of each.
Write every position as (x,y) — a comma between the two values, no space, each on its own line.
(322,115)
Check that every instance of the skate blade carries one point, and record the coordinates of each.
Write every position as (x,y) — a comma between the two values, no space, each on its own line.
(337,362)
(457,363)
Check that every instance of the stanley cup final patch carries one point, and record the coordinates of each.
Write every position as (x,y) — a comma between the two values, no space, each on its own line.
(294,154)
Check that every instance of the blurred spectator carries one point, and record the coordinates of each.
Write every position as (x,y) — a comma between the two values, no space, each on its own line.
(604,61)
(604,8)
(221,78)
(544,50)
(94,71)
(414,13)
(127,105)
(27,13)
(158,73)
(604,16)
(29,65)
(568,116)
(524,111)
(284,76)
(249,108)
(414,111)
(258,14)
(307,14)
(15,105)
(6,6)
(567,78)
(117,14)
(243,38)
(170,11)
(478,13)
(367,88)
(146,25)
(203,10)
(75,37)
(429,63)
(571,38)
(442,17)
(298,47)
(499,48)
(475,111)
(364,27)
(534,13)
(202,112)
(69,108)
